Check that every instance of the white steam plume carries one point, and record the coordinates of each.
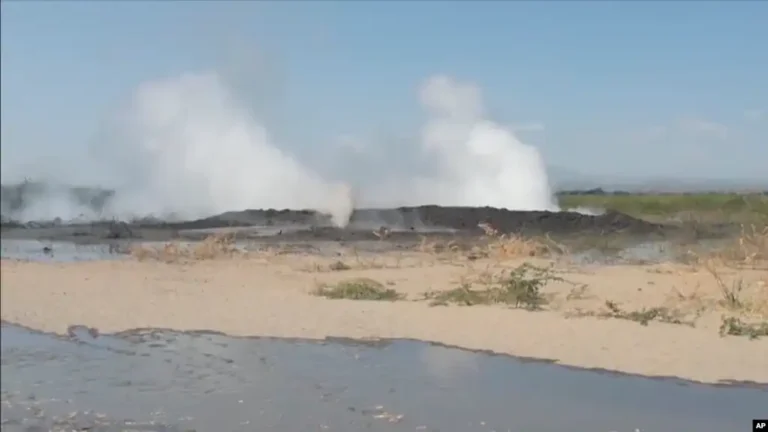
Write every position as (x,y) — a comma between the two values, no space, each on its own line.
(479,162)
(188,149)
(185,148)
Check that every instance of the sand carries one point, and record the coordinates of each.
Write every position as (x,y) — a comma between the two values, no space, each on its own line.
(273,296)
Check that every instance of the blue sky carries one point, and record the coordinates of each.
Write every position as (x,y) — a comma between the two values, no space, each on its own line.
(641,89)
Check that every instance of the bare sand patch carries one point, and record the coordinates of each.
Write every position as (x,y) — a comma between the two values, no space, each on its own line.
(275,295)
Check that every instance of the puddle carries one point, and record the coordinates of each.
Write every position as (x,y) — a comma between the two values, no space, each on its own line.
(168,381)
(34,250)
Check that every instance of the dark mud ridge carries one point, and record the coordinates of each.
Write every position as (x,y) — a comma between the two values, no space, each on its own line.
(458,218)
(404,218)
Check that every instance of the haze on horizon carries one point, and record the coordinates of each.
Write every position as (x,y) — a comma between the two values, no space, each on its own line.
(333,95)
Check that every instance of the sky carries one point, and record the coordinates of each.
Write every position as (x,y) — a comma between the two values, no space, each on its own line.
(624,89)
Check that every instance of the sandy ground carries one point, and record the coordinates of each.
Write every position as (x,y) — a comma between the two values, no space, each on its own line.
(272,295)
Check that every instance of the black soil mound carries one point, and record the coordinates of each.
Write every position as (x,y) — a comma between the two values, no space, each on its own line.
(416,218)
(507,221)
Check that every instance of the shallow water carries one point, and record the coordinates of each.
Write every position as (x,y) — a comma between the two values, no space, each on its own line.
(162,380)
(34,250)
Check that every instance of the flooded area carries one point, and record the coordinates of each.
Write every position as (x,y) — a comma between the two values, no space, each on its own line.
(167,381)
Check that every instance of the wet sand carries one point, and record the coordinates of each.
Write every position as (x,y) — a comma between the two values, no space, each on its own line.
(270,294)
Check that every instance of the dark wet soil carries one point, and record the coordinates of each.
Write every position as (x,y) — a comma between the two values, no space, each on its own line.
(158,380)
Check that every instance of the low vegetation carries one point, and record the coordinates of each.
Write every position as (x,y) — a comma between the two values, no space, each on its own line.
(733,326)
(520,288)
(670,204)
(642,316)
(496,277)
(358,289)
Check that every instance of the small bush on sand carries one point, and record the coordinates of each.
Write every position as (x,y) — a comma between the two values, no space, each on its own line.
(520,288)
(358,289)
(642,316)
(339,266)
(645,315)
(735,327)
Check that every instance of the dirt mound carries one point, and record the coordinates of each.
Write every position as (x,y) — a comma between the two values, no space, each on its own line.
(414,218)
(508,221)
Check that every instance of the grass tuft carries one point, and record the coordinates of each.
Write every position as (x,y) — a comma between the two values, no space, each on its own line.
(645,315)
(339,266)
(642,316)
(358,289)
(520,288)
(733,326)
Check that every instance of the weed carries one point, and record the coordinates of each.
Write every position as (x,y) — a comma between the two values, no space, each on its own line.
(642,316)
(358,289)
(339,266)
(520,288)
(733,326)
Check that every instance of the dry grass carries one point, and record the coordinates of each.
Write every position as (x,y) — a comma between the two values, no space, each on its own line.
(729,283)
(495,246)
(354,260)
(728,266)
(217,246)
(511,246)
(743,300)
(748,251)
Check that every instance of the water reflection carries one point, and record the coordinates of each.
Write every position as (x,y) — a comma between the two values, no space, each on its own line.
(211,382)
(450,365)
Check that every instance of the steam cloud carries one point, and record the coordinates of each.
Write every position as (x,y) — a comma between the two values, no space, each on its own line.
(480,162)
(186,148)
(189,150)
